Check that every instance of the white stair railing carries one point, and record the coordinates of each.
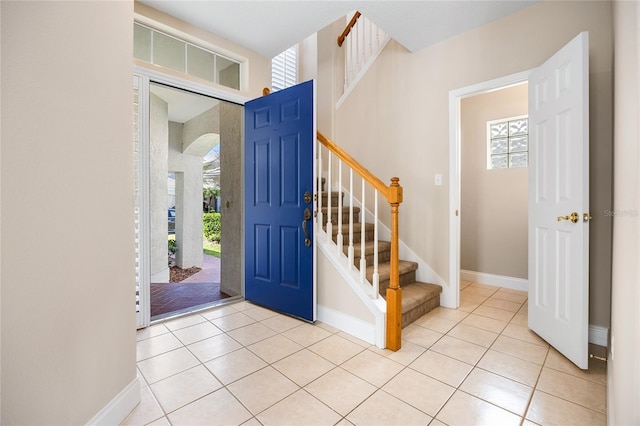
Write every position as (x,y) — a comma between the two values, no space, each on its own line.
(340,209)
(362,41)
(393,195)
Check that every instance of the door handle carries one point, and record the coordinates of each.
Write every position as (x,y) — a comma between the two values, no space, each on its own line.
(307,216)
(574,217)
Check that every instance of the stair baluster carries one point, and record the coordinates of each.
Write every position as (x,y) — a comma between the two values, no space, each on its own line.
(329,214)
(363,259)
(339,239)
(376,274)
(350,253)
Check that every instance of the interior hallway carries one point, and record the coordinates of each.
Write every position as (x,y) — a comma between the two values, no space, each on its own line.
(479,364)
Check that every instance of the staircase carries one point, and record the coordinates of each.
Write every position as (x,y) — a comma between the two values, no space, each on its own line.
(418,298)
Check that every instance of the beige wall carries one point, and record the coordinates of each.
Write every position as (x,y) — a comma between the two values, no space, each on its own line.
(396,121)
(68,318)
(259,74)
(494,203)
(624,362)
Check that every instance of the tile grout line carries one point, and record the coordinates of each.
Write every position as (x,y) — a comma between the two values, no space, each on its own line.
(535,388)
(404,368)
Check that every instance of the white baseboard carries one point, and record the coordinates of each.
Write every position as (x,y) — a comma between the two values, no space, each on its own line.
(497,280)
(119,407)
(599,335)
(350,325)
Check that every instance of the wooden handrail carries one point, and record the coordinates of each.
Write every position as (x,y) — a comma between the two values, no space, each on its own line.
(347,30)
(393,194)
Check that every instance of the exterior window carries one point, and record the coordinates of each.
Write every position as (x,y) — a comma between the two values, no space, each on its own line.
(284,69)
(508,143)
(162,49)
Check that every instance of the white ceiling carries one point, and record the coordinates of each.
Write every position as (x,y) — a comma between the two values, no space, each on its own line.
(269,27)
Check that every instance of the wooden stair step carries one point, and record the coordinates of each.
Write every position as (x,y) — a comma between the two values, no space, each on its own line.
(368,227)
(384,269)
(418,298)
(334,198)
(345,215)
(357,236)
(384,253)
(406,270)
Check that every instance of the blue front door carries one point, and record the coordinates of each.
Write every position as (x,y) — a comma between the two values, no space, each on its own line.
(279,136)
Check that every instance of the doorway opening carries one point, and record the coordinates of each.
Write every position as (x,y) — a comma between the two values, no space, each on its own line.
(186,135)
(494,190)
(450,296)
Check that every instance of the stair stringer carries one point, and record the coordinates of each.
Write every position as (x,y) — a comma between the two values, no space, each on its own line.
(424,273)
(343,321)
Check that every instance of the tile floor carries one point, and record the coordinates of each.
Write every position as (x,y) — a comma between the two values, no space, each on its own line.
(479,364)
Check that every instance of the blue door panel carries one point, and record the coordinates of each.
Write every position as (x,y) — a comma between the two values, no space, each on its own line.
(262,167)
(289,171)
(261,254)
(279,136)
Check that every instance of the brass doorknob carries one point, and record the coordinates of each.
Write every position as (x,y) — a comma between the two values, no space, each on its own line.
(574,217)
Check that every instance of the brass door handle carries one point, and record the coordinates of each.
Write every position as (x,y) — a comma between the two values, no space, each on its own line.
(574,217)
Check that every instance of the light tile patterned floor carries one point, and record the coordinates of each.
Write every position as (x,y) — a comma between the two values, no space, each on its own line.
(479,364)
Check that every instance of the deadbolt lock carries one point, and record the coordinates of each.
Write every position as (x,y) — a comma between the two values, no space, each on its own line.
(307,197)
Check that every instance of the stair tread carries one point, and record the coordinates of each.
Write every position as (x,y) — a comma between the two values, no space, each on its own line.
(368,248)
(334,209)
(384,269)
(345,228)
(417,293)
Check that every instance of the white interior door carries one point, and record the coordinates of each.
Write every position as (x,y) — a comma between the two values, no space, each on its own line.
(559,200)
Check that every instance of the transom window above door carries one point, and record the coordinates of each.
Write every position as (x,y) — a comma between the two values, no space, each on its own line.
(508,143)
(158,48)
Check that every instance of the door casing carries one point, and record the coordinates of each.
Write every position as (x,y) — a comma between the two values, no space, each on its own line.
(450,296)
(150,75)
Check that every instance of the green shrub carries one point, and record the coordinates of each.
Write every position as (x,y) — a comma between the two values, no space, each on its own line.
(211,226)
(172,246)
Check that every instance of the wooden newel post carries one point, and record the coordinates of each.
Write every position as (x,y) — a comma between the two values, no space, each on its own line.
(394,292)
